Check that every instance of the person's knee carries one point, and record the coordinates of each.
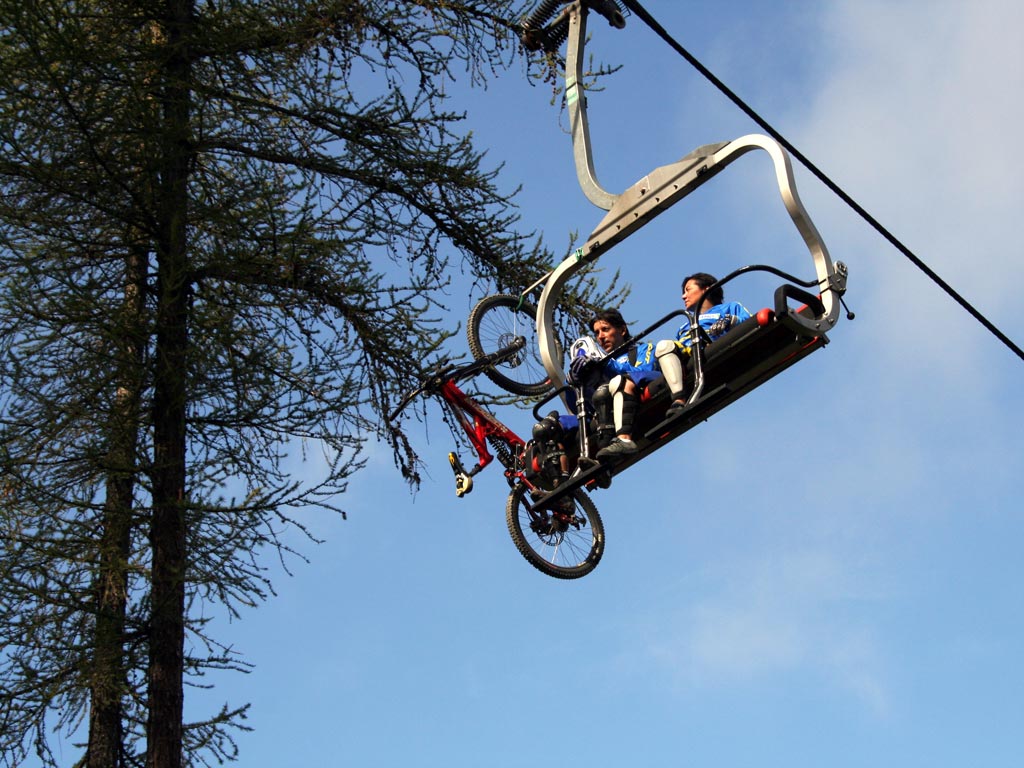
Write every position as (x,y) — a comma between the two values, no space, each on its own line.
(548,429)
(672,363)
(666,347)
(621,385)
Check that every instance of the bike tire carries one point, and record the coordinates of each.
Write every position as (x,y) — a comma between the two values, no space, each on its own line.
(550,546)
(493,324)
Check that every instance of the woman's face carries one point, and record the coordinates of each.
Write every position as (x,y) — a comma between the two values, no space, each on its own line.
(692,293)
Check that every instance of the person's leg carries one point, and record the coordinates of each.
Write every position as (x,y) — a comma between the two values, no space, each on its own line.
(603,407)
(670,360)
(623,392)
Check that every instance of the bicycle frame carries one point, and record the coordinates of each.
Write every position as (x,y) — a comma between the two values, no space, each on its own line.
(479,425)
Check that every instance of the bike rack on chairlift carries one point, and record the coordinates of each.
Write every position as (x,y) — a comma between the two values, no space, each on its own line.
(781,336)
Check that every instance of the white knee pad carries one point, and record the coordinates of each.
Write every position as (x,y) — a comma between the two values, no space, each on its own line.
(670,362)
(664,347)
(623,403)
(617,385)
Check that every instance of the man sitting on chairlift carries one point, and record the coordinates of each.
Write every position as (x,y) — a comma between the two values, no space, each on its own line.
(606,383)
(615,401)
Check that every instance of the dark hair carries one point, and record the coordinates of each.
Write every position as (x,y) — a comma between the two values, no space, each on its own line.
(716,295)
(613,317)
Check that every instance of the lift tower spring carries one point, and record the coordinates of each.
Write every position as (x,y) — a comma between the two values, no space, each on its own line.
(536,36)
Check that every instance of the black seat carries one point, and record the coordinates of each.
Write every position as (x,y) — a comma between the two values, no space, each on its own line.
(748,355)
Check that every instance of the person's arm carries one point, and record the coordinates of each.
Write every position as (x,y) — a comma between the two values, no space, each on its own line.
(683,334)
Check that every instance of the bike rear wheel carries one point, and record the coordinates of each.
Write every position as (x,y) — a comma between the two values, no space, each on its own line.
(493,324)
(561,543)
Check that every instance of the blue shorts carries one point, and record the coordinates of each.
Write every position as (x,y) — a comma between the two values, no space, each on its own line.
(643,378)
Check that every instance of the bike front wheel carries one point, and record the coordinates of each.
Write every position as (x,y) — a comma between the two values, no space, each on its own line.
(565,543)
(494,323)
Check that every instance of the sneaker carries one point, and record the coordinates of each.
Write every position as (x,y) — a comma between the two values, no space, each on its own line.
(617,447)
(677,407)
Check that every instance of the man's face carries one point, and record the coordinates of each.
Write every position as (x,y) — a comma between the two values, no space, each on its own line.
(692,293)
(608,336)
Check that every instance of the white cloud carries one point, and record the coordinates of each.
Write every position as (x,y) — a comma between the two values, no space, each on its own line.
(786,614)
(917,123)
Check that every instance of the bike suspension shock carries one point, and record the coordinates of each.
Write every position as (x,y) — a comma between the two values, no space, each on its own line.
(502,451)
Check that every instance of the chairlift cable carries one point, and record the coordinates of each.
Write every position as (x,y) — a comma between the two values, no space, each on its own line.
(639,10)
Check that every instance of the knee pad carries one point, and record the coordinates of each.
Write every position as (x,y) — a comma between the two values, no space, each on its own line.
(666,347)
(602,401)
(618,384)
(671,361)
(548,429)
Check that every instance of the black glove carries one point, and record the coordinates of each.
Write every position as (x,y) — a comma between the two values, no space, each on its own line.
(579,368)
(720,326)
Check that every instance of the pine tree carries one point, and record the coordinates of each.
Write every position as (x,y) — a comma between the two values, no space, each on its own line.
(225,227)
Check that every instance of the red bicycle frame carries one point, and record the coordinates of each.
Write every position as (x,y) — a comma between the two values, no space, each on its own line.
(479,425)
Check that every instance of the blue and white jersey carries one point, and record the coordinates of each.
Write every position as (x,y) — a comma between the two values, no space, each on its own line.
(715,322)
(641,369)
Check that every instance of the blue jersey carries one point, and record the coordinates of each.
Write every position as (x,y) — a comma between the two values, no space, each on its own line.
(715,322)
(643,368)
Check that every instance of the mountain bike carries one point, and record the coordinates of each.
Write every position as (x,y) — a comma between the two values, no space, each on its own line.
(565,541)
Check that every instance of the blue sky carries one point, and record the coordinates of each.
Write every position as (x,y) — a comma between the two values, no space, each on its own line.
(826,573)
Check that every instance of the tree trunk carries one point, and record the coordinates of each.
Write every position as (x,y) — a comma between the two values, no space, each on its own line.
(109,685)
(168,527)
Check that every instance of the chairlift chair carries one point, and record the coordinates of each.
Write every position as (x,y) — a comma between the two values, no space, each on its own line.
(750,354)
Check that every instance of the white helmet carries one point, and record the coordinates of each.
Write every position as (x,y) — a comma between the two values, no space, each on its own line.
(585,347)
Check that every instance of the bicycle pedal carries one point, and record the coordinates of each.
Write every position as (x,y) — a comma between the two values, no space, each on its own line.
(463,484)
